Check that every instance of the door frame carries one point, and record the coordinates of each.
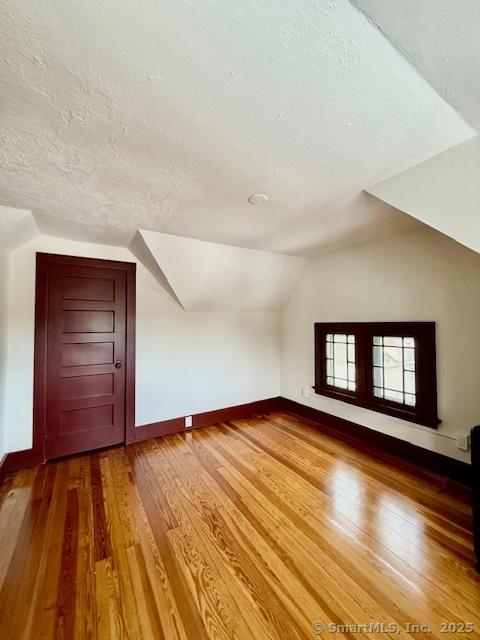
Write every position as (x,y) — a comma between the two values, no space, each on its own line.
(43,261)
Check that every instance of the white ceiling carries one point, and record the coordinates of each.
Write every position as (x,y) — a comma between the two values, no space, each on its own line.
(165,116)
(207,276)
(443,192)
(441,38)
(17,226)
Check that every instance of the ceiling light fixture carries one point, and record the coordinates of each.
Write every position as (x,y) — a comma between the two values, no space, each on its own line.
(258,198)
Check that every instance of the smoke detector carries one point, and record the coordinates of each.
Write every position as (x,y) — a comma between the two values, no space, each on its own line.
(258,198)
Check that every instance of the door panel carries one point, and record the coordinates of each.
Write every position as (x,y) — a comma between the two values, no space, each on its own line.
(86,419)
(85,368)
(85,288)
(87,386)
(76,355)
(88,321)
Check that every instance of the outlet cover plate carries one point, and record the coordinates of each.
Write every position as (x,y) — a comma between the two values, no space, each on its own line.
(462,441)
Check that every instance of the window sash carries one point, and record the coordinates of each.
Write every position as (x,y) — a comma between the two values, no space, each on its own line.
(336,343)
(425,410)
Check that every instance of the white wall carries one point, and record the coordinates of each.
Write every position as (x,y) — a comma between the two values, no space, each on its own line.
(3,343)
(417,275)
(186,362)
(198,361)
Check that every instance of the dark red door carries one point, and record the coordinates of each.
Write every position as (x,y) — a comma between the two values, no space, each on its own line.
(85,359)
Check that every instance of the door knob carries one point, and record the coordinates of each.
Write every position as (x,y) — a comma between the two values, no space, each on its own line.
(118,364)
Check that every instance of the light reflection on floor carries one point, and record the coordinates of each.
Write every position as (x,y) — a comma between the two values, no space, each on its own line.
(385,517)
(347,494)
(401,531)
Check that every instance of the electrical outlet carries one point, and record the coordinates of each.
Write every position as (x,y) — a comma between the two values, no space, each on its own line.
(188,422)
(462,441)
(307,392)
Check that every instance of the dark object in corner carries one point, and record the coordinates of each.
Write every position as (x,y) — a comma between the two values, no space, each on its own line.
(476,491)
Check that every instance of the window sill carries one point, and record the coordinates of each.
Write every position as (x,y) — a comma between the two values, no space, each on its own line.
(350,398)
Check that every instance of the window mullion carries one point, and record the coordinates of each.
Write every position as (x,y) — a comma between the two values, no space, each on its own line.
(362,364)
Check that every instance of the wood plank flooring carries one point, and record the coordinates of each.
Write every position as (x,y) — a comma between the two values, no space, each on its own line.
(256,529)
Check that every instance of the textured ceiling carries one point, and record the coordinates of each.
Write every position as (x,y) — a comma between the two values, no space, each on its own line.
(441,39)
(117,116)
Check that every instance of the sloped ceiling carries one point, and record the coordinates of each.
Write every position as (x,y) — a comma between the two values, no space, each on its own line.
(206,276)
(443,192)
(119,116)
(142,251)
(441,41)
(17,226)
(440,38)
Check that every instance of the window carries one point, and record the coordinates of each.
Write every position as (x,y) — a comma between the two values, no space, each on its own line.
(394,369)
(340,357)
(385,366)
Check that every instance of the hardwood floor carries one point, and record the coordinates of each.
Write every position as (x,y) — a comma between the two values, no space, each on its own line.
(253,529)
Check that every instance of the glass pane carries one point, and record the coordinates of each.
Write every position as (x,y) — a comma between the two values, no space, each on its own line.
(394,369)
(340,362)
(390,341)
(409,357)
(377,356)
(329,337)
(351,372)
(378,376)
(409,381)
(329,367)
(396,396)
(393,356)
(351,353)
(340,359)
